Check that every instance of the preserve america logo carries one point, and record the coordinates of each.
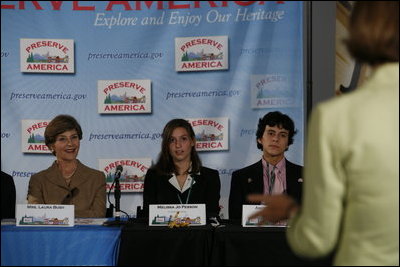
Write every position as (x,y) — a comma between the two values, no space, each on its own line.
(132,176)
(32,136)
(201,53)
(47,55)
(271,91)
(124,96)
(211,133)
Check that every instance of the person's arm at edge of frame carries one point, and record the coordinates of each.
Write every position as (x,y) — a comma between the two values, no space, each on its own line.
(314,231)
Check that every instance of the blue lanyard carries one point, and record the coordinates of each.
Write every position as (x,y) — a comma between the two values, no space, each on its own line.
(190,190)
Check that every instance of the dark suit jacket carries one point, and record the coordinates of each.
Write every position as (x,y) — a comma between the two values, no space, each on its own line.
(249,180)
(8,196)
(205,190)
(87,190)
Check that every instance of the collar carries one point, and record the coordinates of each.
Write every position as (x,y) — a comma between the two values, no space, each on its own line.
(55,175)
(174,181)
(280,165)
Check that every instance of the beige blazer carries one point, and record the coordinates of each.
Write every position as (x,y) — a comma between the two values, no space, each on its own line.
(87,190)
(351,183)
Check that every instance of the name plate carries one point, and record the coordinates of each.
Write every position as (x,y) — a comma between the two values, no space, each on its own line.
(177,215)
(45,215)
(249,210)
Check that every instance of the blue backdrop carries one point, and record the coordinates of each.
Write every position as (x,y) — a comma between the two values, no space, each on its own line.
(135,40)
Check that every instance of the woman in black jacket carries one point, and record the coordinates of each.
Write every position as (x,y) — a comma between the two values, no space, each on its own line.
(178,176)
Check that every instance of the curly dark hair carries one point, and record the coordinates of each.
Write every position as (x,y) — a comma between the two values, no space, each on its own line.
(272,119)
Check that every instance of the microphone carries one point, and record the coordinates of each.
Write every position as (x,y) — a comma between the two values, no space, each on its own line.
(118,171)
(117,191)
(117,196)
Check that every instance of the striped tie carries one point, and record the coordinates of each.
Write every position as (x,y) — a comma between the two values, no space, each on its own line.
(272,180)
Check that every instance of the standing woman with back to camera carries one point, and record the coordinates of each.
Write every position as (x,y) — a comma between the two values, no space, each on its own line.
(351,178)
(178,177)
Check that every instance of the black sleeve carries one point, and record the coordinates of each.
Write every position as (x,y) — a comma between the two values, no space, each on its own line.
(213,194)
(235,198)
(299,185)
(294,186)
(150,190)
(8,196)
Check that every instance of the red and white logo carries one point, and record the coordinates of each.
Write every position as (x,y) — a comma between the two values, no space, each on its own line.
(47,55)
(201,53)
(211,133)
(272,91)
(32,136)
(132,175)
(124,96)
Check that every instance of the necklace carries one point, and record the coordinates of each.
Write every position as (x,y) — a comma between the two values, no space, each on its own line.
(69,176)
(73,172)
(188,195)
(181,182)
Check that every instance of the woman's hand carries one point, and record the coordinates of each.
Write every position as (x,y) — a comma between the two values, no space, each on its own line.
(278,207)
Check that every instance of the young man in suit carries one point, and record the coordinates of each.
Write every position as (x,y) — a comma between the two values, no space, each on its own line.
(273,174)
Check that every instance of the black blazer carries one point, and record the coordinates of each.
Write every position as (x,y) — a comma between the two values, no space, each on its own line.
(205,190)
(8,196)
(249,180)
